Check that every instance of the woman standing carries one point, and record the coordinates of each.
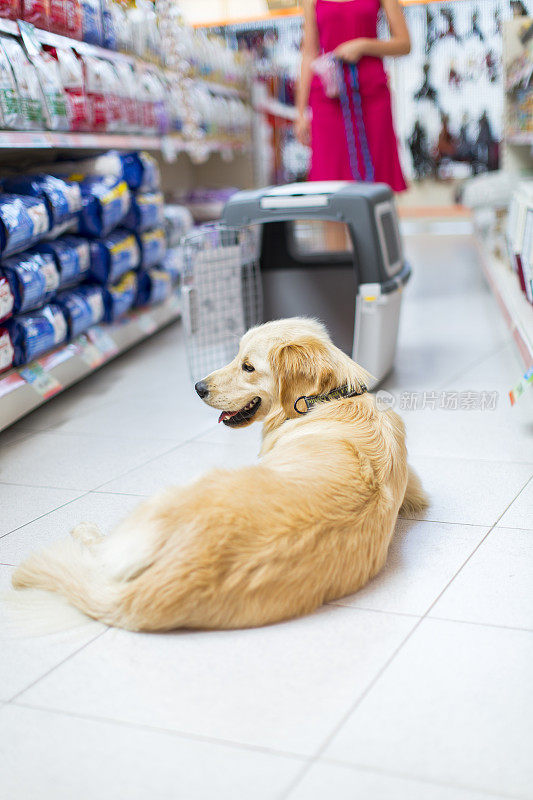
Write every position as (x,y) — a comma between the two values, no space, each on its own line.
(351,137)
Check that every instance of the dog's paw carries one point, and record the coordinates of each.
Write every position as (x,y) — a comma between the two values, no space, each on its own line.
(86,533)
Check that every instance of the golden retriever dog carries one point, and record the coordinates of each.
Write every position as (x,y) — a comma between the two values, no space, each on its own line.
(311,522)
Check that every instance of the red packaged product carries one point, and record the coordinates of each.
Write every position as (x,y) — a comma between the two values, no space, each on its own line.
(7,351)
(10,9)
(129,91)
(116,100)
(71,72)
(148,116)
(99,91)
(37,12)
(58,18)
(73,16)
(7,301)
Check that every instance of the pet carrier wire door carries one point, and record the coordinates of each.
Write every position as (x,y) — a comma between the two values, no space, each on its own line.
(221,293)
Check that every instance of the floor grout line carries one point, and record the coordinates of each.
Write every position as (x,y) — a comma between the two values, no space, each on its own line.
(373,610)
(160,729)
(41,516)
(417,779)
(347,714)
(115,477)
(149,461)
(327,741)
(494,625)
(56,666)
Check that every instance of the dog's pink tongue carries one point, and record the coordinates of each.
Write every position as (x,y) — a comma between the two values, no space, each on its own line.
(227,415)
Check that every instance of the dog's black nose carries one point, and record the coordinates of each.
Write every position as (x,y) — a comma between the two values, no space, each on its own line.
(201,388)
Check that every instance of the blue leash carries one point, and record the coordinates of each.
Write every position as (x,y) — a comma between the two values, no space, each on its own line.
(359,121)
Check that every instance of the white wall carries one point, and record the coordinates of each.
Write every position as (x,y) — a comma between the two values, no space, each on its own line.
(216,10)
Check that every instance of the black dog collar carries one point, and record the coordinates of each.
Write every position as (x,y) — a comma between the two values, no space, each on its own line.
(335,394)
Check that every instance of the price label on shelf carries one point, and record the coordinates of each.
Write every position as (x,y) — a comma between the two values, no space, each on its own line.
(102,341)
(43,382)
(88,352)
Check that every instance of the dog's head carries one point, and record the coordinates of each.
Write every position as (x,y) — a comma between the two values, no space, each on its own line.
(277,363)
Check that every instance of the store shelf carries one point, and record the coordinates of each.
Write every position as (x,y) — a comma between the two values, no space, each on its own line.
(271,106)
(170,145)
(223,89)
(25,388)
(56,40)
(517,312)
(520,137)
(45,140)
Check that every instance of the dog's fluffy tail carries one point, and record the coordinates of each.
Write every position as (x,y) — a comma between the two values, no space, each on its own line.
(415,498)
(72,570)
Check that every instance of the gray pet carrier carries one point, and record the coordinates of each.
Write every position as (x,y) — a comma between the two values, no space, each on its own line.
(330,250)
(348,275)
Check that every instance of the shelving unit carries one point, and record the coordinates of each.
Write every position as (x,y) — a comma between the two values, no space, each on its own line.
(493,200)
(25,388)
(516,310)
(169,145)
(184,163)
(517,146)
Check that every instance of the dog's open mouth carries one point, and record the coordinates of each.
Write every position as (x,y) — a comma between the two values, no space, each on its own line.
(245,414)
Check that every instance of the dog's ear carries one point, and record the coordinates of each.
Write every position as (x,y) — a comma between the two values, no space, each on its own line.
(302,368)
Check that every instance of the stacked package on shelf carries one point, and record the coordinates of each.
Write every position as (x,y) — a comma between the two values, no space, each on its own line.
(519,236)
(77,250)
(55,88)
(178,221)
(32,207)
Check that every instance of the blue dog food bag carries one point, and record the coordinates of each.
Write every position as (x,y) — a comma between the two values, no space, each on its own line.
(146,211)
(153,248)
(72,258)
(91,22)
(105,203)
(82,307)
(178,222)
(33,278)
(23,221)
(62,198)
(35,333)
(140,171)
(174,263)
(154,286)
(119,298)
(113,256)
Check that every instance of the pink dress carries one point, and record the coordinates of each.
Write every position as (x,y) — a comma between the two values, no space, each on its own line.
(337,23)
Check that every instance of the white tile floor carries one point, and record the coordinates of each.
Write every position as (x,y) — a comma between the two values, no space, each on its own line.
(416,688)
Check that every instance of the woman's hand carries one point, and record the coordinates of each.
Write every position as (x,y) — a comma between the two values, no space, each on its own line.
(351,51)
(302,129)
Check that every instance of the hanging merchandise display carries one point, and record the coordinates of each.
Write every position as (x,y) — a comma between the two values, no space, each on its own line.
(486,144)
(476,29)
(454,68)
(426,90)
(418,144)
(450,29)
(431,31)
